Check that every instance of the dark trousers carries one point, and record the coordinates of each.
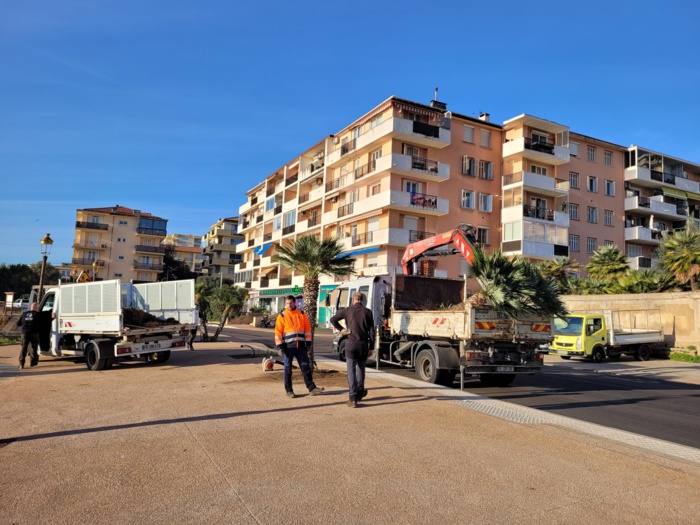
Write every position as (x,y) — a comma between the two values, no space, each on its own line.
(27,341)
(356,360)
(303,360)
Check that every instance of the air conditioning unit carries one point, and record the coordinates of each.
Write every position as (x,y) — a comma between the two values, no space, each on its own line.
(336,140)
(319,181)
(333,199)
(304,213)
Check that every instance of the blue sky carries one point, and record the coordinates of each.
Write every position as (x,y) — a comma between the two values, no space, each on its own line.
(178,107)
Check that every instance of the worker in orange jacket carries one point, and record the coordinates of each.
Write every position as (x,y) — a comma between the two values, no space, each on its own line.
(292,334)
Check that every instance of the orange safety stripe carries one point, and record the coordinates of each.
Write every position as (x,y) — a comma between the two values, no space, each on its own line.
(541,328)
(485,325)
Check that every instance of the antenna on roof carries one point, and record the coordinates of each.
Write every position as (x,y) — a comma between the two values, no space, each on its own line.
(436,92)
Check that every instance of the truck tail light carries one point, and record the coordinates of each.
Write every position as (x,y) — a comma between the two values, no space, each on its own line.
(124,350)
(179,343)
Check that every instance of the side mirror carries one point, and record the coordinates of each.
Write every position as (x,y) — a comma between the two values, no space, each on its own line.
(385,305)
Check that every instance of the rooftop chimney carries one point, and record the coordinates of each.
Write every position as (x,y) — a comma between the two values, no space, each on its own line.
(486,117)
(437,104)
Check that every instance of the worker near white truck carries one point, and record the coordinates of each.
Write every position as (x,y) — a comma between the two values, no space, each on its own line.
(359,322)
(29,323)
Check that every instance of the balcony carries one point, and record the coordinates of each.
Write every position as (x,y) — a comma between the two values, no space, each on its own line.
(286,281)
(346,210)
(402,129)
(267,237)
(220,247)
(419,168)
(264,282)
(256,262)
(521,212)
(149,249)
(288,229)
(278,209)
(362,238)
(251,242)
(642,235)
(653,179)
(258,219)
(400,200)
(641,263)
(291,180)
(541,151)
(254,200)
(540,184)
(307,199)
(87,245)
(535,249)
(148,266)
(416,235)
(91,225)
(654,206)
(87,262)
(151,231)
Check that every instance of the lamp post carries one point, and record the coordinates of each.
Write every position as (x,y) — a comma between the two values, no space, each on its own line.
(94,270)
(46,243)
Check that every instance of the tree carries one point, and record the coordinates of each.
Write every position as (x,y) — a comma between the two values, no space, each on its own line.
(311,257)
(643,281)
(20,278)
(679,253)
(515,287)
(559,269)
(607,263)
(173,267)
(217,300)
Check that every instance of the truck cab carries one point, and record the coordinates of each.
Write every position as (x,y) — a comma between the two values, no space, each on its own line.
(578,335)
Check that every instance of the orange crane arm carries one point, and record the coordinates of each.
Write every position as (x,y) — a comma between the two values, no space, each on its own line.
(462,237)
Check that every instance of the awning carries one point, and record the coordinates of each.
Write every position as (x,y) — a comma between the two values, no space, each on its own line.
(678,194)
(358,252)
(262,249)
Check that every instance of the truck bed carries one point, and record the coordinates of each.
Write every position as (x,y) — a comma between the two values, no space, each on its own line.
(621,337)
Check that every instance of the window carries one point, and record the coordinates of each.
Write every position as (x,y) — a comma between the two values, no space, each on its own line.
(485,138)
(411,186)
(593,215)
(121,239)
(608,243)
(539,170)
(573,149)
(118,275)
(468,166)
(608,158)
(609,188)
(290,218)
(270,204)
(120,257)
(468,134)
(593,184)
(573,180)
(591,244)
(608,217)
(375,189)
(485,170)
(124,223)
(95,219)
(277,223)
(371,260)
(485,202)
(573,243)
(376,121)
(468,199)
(591,153)
(539,138)
(483,236)
(634,250)
(573,211)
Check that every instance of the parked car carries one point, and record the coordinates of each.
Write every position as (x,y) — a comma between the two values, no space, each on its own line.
(21,304)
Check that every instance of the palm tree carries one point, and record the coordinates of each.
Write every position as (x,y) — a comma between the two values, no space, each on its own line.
(311,257)
(643,281)
(607,263)
(515,287)
(679,253)
(558,268)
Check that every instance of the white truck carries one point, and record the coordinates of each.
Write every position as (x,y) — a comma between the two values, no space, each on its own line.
(87,320)
(609,334)
(440,343)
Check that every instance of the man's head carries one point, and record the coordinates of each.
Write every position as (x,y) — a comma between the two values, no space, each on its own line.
(34,307)
(358,297)
(291,302)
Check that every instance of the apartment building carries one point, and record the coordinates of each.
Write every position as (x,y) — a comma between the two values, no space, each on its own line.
(219,248)
(188,248)
(118,243)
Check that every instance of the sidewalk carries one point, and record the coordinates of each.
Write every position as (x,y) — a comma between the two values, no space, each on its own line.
(210,439)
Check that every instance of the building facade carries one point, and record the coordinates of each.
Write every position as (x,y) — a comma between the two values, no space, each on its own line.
(405,171)
(219,248)
(188,248)
(118,243)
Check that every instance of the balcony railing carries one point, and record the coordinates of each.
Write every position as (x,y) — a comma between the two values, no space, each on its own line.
(87,262)
(304,198)
(251,242)
(416,235)
(270,191)
(426,129)
(538,213)
(348,146)
(264,283)
(151,231)
(364,170)
(291,180)
(254,201)
(88,245)
(285,281)
(345,210)
(259,219)
(278,210)
(245,225)
(362,238)
(662,176)
(545,146)
(334,184)
(150,249)
(288,229)
(312,222)
(418,163)
(256,262)
(242,265)
(91,225)
(247,284)
(421,200)
(148,266)
(267,237)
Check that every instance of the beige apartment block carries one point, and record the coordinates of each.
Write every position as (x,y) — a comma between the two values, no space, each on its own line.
(219,248)
(188,248)
(118,243)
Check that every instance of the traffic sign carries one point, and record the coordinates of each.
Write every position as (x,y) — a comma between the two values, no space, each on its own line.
(84,277)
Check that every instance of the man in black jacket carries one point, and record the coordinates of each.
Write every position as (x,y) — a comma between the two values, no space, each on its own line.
(359,323)
(29,322)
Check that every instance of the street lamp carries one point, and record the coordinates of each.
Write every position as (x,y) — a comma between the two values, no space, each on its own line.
(94,270)
(46,243)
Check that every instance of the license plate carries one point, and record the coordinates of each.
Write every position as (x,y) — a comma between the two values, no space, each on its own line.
(505,369)
(151,346)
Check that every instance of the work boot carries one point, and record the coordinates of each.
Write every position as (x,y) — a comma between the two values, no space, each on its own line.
(352,402)
(361,394)
(316,391)
(291,395)
(21,366)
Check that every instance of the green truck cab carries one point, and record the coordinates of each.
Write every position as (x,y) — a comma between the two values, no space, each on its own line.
(595,336)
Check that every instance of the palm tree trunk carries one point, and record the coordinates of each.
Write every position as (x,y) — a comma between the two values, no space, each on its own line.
(203,324)
(222,322)
(311,289)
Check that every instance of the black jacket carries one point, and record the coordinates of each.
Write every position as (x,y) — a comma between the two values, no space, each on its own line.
(358,320)
(29,322)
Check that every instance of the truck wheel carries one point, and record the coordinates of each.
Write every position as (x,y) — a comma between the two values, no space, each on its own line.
(92,357)
(341,350)
(598,355)
(643,353)
(567,357)
(162,357)
(426,369)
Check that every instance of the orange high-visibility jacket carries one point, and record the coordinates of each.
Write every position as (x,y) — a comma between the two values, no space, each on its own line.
(291,327)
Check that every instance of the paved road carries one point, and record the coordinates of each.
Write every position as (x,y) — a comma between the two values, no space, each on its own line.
(643,404)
